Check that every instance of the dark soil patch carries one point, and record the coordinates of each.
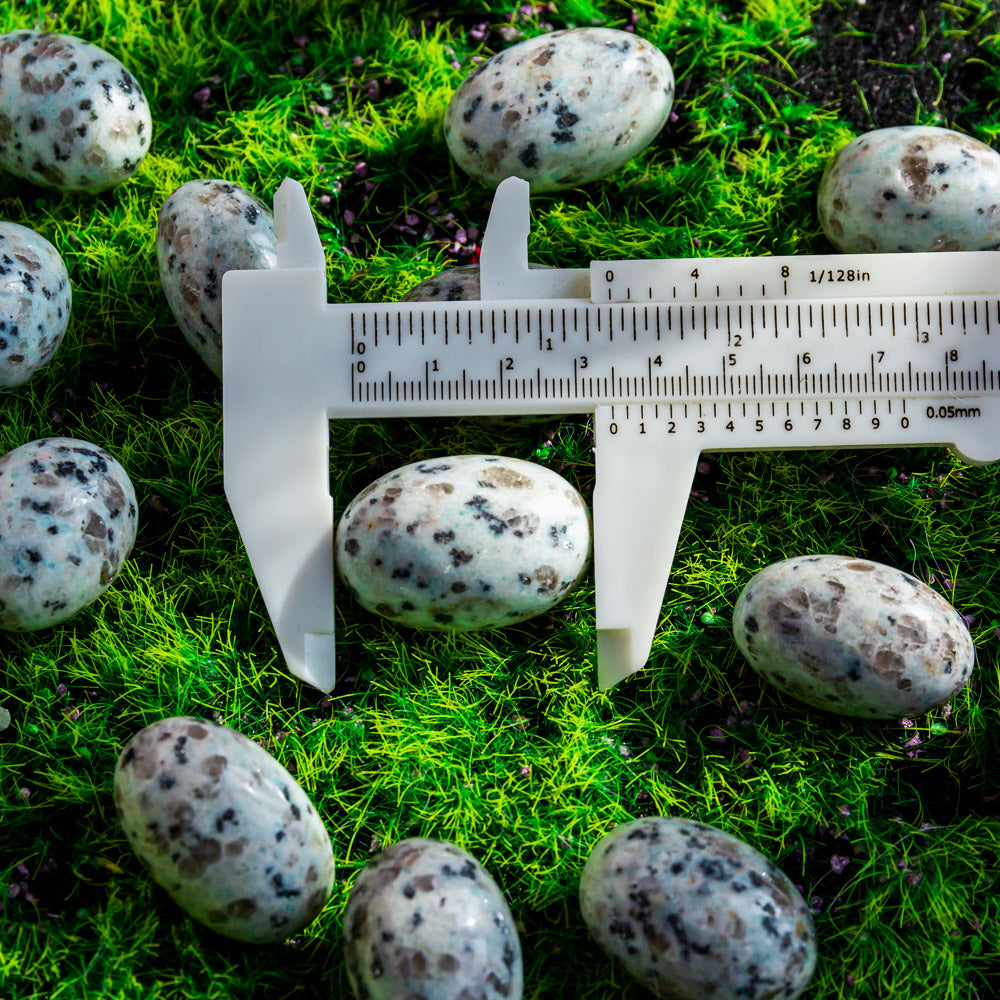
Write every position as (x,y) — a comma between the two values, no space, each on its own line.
(883,63)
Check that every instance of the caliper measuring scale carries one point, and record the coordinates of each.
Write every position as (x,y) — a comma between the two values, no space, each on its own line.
(673,358)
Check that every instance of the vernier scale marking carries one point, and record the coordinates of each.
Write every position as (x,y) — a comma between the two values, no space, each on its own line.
(673,357)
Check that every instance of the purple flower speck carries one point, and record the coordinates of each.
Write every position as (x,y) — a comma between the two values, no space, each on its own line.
(348,217)
(716,735)
(844,810)
(525,771)
(25,793)
(838,863)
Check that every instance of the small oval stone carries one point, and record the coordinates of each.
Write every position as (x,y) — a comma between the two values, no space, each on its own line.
(910,189)
(560,109)
(71,116)
(465,542)
(68,519)
(424,919)
(224,828)
(853,636)
(206,228)
(693,912)
(35,300)
(456,284)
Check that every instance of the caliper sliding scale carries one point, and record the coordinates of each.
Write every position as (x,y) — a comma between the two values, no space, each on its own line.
(673,357)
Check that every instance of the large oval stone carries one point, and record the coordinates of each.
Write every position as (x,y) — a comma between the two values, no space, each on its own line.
(912,188)
(463,543)
(853,636)
(71,116)
(561,109)
(224,828)
(692,912)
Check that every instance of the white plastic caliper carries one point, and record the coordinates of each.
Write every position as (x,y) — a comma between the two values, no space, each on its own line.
(673,357)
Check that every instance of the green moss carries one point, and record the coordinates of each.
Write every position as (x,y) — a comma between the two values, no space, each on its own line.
(498,741)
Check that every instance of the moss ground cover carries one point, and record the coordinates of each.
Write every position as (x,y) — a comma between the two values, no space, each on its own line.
(497,741)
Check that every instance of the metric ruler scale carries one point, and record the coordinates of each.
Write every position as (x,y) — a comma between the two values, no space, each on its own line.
(672,357)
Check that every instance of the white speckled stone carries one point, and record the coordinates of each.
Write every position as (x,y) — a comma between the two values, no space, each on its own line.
(692,912)
(560,109)
(912,188)
(456,284)
(224,828)
(67,523)
(465,542)
(71,116)
(425,919)
(206,228)
(853,636)
(35,300)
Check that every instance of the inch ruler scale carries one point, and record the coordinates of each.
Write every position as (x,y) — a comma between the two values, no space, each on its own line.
(673,357)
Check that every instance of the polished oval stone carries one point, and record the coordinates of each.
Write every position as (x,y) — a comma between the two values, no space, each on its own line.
(224,828)
(560,109)
(465,542)
(424,919)
(206,228)
(853,636)
(692,912)
(912,188)
(71,116)
(67,523)
(35,300)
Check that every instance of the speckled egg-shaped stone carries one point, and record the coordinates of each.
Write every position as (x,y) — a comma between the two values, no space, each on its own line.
(912,188)
(224,828)
(560,109)
(465,542)
(424,919)
(206,228)
(853,636)
(456,284)
(692,912)
(35,300)
(67,523)
(71,116)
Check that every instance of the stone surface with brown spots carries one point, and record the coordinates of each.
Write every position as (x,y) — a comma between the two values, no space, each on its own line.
(204,229)
(35,300)
(71,116)
(456,284)
(68,520)
(909,189)
(853,636)
(692,912)
(464,542)
(560,109)
(424,919)
(224,828)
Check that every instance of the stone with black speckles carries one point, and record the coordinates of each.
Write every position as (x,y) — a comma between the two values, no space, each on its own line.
(464,542)
(561,109)
(72,117)
(912,188)
(206,228)
(692,912)
(853,636)
(68,520)
(224,828)
(456,284)
(35,300)
(424,919)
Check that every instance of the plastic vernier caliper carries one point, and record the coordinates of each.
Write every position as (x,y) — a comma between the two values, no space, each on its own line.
(673,357)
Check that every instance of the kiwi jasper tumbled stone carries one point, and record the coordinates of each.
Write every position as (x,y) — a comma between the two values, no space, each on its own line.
(912,188)
(853,636)
(560,109)
(464,542)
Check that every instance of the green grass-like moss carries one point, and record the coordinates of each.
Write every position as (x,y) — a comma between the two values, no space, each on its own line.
(498,741)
